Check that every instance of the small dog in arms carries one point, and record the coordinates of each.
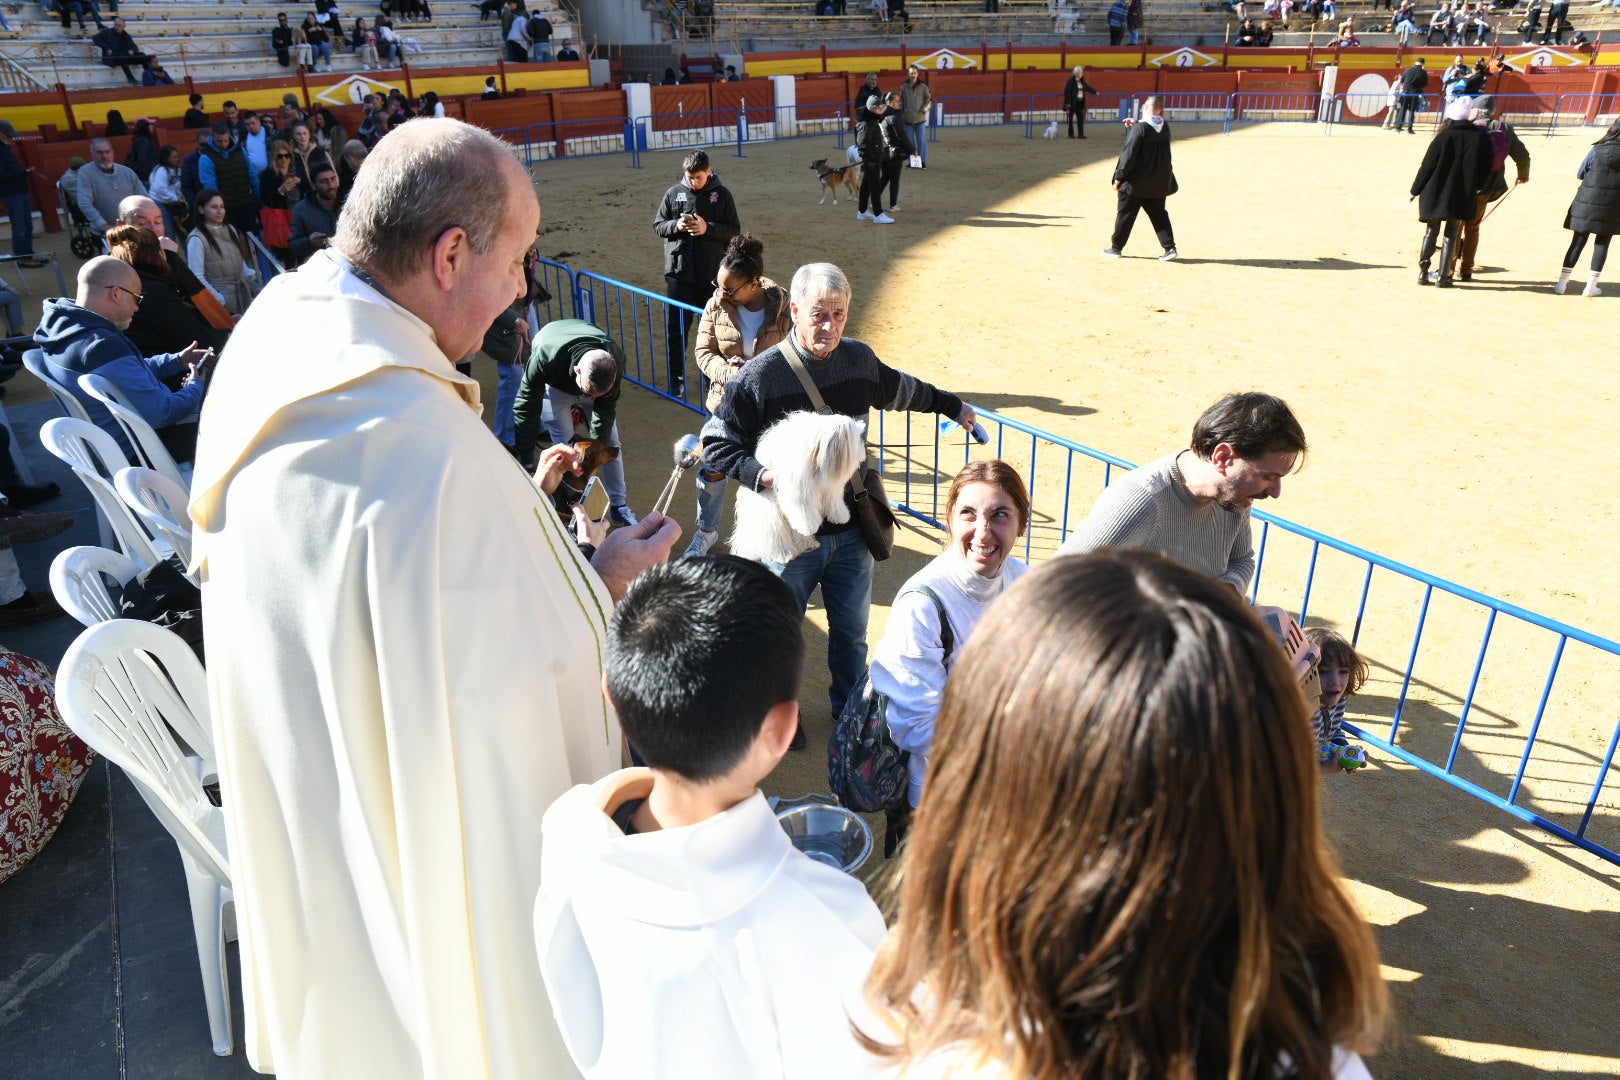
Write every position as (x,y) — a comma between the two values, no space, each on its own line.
(1052,130)
(811,458)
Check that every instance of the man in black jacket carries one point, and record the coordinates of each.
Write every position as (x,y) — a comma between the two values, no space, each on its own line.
(118,49)
(1144,179)
(1413,81)
(14,196)
(281,40)
(897,148)
(697,219)
(869,141)
(1074,100)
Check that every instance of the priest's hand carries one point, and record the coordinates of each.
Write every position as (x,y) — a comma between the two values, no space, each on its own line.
(626,552)
(554,461)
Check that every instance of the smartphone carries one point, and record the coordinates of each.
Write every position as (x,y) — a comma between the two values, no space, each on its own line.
(595,499)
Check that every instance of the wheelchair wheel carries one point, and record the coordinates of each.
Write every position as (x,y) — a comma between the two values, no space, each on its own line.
(83,246)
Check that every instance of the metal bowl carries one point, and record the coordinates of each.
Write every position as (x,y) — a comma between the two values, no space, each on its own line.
(829,834)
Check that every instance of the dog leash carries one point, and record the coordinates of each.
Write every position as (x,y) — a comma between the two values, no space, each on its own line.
(1498,202)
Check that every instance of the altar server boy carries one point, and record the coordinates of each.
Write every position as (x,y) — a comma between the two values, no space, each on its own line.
(680,932)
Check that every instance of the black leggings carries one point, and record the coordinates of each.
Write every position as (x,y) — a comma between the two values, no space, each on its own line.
(1600,251)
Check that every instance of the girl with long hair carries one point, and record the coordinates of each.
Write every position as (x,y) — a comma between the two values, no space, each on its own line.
(1118,869)
(217,254)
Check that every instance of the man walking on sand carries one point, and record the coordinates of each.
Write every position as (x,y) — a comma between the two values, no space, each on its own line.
(1144,179)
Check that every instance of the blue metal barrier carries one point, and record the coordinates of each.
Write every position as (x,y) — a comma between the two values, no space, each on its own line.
(1202,107)
(767,123)
(265,259)
(917,458)
(1584,110)
(1286,107)
(558,279)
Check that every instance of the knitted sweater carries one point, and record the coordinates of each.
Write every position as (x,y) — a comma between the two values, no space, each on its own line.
(1151,508)
(852,380)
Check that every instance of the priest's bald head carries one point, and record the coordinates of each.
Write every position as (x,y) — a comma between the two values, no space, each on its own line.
(448,250)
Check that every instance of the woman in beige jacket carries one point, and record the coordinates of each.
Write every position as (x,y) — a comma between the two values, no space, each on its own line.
(747,314)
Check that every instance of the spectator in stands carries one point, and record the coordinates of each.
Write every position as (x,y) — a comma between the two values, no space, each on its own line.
(233,117)
(86,334)
(373,121)
(1404,22)
(75,9)
(916,101)
(255,142)
(1143,179)
(1413,82)
(388,43)
(115,125)
(490,93)
(154,75)
(191,166)
(1074,101)
(164,187)
(429,105)
(398,110)
(1532,20)
(1444,24)
(1455,168)
(69,183)
(897,148)
(14,196)
(1479,21)
(1595,210)
(104,185)
(1247,34)
(1193,506)
(142,155)
(166,320)
(118,49)
(365,45)
(1557,19)
(868,88)
(279,187)
(196,116)
(217,253)
(568,54)
(1474,85)
(307,156)
(696,219)
(1133,22)
(1117,12)
(328,134)
(933,614)
(1081,755)
(320,42)
(281,40)
(1347,34)
(731,74)
(509,13)
(852,381)
(1454,78)
(224,169)
(315,217)
(350,159)
(302,53)
(1266,35)
(540,37)
(670,78)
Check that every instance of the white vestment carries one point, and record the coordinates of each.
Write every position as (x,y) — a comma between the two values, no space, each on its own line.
(404,661)
(711,952)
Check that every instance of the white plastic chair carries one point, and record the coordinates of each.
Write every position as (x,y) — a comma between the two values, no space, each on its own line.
(78,581)
(34,361)
(113,694)
(160,503)
(142,435)
(95,458)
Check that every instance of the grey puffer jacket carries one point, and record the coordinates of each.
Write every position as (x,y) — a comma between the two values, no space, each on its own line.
(1596,208)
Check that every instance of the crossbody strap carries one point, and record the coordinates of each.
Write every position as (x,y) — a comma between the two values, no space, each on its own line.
(791,354)
(946,637)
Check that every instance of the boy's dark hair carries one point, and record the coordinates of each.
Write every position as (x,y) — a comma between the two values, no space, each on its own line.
(696,161)
(698,652)
(1253,424)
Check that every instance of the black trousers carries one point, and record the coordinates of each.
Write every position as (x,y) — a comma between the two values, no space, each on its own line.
(872,175)
(1077,115)
(891,177)
(1126,219)
(678,324)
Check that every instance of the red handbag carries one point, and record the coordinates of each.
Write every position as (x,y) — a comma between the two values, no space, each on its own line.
(275,226)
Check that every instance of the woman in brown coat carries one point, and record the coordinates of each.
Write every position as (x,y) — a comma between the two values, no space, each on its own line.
(747,314)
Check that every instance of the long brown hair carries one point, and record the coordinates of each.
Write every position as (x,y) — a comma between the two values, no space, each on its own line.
(139,247)
(1118,869)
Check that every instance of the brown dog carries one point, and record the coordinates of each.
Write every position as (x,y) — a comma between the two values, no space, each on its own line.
(849,176)
(593,454)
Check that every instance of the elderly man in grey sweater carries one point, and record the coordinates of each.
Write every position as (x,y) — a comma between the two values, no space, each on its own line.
(1193,506)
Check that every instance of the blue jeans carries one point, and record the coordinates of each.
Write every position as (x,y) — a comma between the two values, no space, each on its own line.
(508,377)
(711,500)
(14,313)
(324,49)
(842,566)
(21,211)
(1135,37)
(542,53)
(918,134)
(558,417)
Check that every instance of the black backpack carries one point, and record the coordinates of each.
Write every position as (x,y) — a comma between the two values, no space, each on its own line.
(866,771)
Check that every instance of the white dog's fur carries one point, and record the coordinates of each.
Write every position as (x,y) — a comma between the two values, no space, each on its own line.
(853,154)
(1052,131)
(811,457)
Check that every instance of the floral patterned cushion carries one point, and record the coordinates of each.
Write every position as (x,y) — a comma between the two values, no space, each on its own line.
(42,763)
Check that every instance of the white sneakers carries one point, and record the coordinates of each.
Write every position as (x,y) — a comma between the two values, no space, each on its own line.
(702,541)
(884,219)
(1168,255)
(1110,252)
(864,216)
(893,208)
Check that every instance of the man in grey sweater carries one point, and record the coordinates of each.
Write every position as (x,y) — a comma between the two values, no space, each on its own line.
(1193,506)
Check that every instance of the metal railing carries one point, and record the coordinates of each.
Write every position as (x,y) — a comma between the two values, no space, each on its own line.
(1523,736)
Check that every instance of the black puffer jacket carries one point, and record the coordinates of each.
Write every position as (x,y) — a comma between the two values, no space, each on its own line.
(1456,167)
(1596,208)
(1144,163)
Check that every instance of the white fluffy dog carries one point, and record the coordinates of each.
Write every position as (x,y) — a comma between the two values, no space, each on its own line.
(1052,130)
(811,457)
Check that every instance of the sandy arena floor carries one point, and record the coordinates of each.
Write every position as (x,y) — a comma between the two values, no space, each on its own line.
(1444,428)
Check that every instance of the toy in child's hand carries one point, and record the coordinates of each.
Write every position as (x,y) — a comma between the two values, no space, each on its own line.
(1348,758)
